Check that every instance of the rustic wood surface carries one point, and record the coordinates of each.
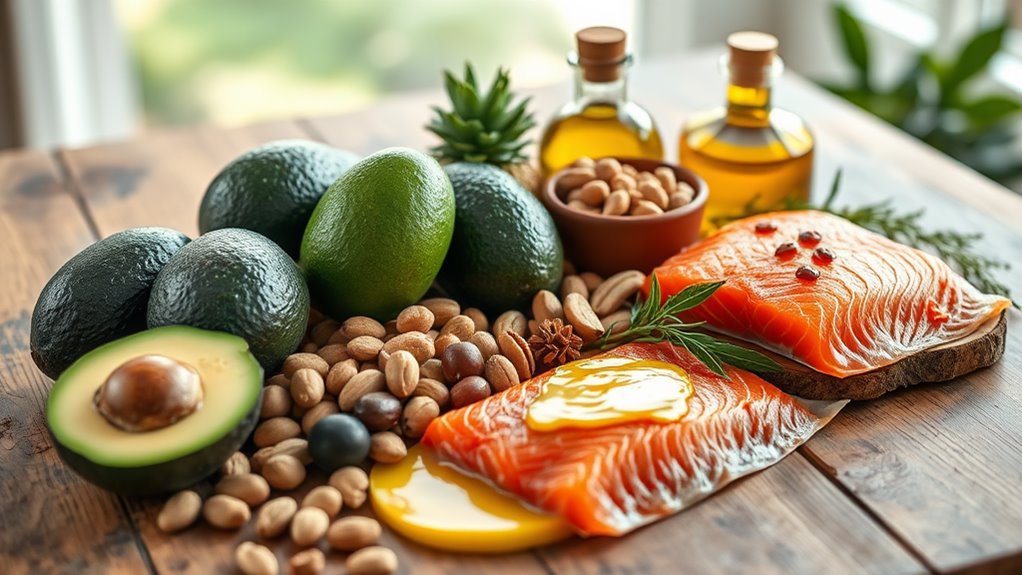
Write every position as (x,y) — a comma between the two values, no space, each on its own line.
(923,480)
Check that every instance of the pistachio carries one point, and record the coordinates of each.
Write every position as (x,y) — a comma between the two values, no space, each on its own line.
(373,560)
(325,497)
(443,309)
(417,415)
(362,383)
(339,375)
(179,511)
(353,533)
(352,482)
(254,559)
(226,512)
(501,373)
(461,326)
(308,526)
(275,516)
(284,472)
(414,342)
(276,402)
(297,361)
(415,318)
(402,373)
(364,347)
(236,464)
(310,561)
(510,321)
(434,390)
(307,387)
(274,430)
(358,326)
(545,305)
(317,412)
(250,488)
(387,447)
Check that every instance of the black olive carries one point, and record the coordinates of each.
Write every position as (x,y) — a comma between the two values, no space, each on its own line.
(338,440)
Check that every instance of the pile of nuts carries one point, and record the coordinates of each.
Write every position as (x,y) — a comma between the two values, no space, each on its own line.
(613,189)
(395,378)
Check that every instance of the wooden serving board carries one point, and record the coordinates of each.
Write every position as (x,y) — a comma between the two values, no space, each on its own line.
(982,348)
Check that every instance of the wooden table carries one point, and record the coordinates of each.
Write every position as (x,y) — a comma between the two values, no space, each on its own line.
(923,480)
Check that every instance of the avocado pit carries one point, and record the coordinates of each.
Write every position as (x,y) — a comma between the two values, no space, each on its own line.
(149,392)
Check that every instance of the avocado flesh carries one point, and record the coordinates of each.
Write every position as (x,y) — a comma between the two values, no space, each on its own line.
(175,456)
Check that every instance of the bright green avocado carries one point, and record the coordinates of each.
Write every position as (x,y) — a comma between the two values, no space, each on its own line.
(179,454)
(505,246)
(239,282)
(273,189)
(378,237)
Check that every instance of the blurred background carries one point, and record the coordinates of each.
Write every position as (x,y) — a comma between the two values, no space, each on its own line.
(74,72)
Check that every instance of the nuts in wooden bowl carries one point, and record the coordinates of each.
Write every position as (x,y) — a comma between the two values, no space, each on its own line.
(615,189)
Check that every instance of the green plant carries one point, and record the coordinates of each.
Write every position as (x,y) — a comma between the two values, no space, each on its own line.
(933,101)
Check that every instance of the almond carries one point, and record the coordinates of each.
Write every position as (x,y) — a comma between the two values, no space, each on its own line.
(353,532)
(545,305)
(274,430)
(275,516)
(308,526)
(318,412)
(250,488)
(417,343)
(415,318)
(339,375)
(478,318)
(387,447)
(361,325)
(486,343)
(307,387)
(179,511)
(322,331)
(417,415)
(501,373)
(226,512)
(333,353)
(402,373)
(374,560)
(433,389)
(362,383)
(580,315)
(512,320)
(517,350)
(572,178)
(326,497)
(254,559)
(283,472)
(574,284)
(364,347)
(613,292)
(443,309)
(297,361)
(276,402)
(592,280)
(460,326)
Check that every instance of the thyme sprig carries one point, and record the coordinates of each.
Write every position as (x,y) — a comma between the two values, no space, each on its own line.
(958,249)
(653,322)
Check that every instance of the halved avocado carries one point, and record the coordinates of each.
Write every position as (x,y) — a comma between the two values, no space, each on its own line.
(158,451)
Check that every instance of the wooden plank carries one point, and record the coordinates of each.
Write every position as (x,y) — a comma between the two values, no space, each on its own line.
(173,170)
(54,522)
(785,520)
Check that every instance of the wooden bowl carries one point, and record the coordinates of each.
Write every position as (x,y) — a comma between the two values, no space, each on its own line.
(610,244)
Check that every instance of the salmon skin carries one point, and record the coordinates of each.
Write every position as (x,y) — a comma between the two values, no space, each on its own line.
(873,303)
(611,480)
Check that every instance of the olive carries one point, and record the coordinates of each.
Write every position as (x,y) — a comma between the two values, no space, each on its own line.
(469,390)
(378,410)
(338,440)
(461,360)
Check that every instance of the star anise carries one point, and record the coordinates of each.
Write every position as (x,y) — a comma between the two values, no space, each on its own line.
(555,344)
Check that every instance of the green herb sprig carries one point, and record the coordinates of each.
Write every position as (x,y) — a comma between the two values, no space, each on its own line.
(652,322)
(958,249)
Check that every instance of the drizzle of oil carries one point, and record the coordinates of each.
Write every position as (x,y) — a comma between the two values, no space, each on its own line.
(440,507)
(610,391)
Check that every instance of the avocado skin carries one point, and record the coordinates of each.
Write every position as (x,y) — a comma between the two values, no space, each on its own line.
(239,282)
(167,476)
(273,189)
(505,246)
(99,295)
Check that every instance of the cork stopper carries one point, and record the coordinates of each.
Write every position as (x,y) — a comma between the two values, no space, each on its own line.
(751,58)
(601,51)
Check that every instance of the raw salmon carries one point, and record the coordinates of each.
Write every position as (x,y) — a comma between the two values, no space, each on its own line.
(610,480)
(874,302)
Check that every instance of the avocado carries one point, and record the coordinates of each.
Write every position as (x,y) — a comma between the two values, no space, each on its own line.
(239,282)
(378,237)
(505,246)
(99,295)
(139,379)
(273,189)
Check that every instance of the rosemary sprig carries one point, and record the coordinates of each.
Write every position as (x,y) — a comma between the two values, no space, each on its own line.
(956,248)
(652,322)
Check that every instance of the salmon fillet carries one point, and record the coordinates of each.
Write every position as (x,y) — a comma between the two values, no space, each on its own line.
(611,480)
(875,303)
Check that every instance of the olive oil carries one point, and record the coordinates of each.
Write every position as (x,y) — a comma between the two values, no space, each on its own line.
(600,121)
(749,153)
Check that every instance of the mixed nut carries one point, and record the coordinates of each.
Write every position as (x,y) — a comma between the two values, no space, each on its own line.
(610,188)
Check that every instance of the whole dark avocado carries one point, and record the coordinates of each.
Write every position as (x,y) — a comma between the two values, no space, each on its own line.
(505,246)
(239,282)
(99,295)
(273,189)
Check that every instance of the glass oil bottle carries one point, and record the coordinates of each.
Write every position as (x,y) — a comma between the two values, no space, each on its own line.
(750,154)
(600,121)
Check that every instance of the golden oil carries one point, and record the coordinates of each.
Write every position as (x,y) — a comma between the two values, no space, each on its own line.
(750,154)
(600,121)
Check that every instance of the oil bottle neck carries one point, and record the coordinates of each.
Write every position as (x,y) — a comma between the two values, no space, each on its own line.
(612,92)
(748,106)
